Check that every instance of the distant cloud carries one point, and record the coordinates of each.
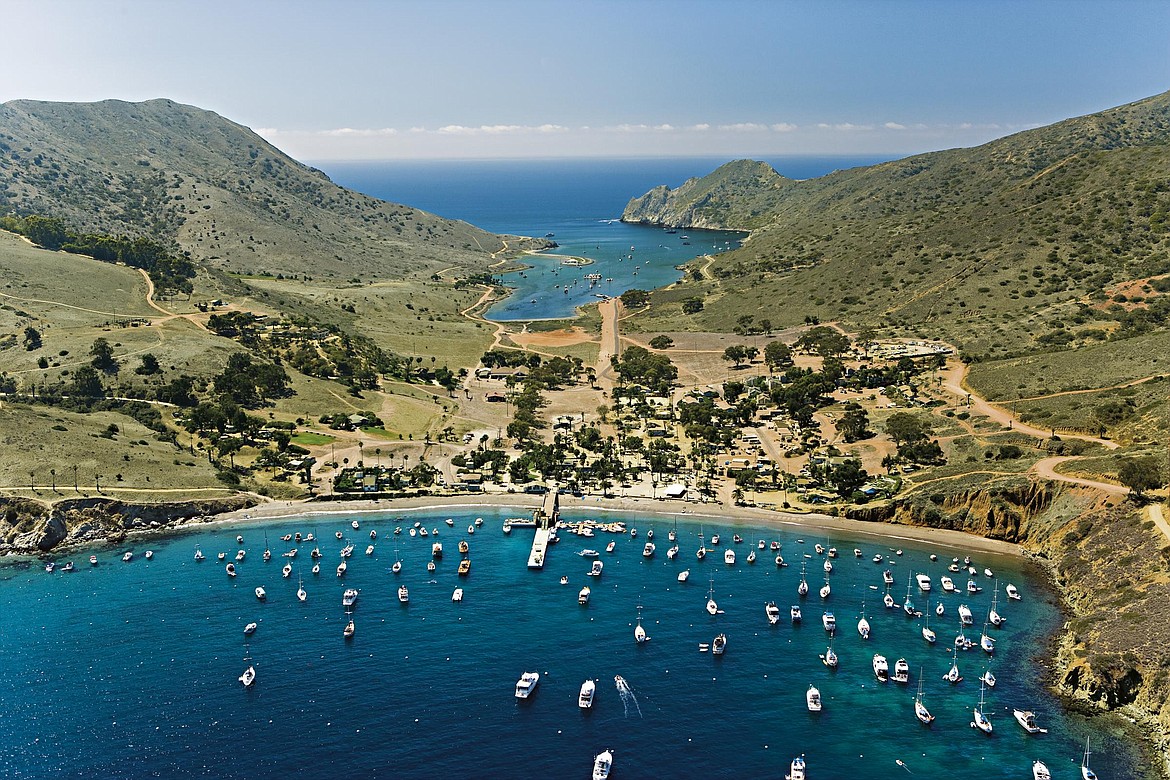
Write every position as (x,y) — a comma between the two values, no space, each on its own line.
(700,128)
(744,127)
(844,127)
(784,127)
(500,129)
(894,126)
(364,133)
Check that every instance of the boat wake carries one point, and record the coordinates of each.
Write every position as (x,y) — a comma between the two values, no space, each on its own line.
(627,695)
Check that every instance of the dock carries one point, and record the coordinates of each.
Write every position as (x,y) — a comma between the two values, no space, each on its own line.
(546,522)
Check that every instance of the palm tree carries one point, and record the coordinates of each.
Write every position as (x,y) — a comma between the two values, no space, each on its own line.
(53,474)
(75,490)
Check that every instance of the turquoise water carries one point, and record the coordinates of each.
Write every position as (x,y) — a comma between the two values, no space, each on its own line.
(579,202)
(129,669)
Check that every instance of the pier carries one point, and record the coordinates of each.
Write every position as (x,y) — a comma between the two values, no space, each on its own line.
(546,523)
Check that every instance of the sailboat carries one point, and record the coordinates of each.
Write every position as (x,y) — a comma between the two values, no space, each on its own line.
(829,658)
(927,633)
(249,675)
(712,607)
(952,676)
(1086,773)
(802,588)
(267,552)
(347,632)
(301,595)
(981,722)
(986,642)
(825,589)
(993,616)
(397,567)
(863,624)
(920,710)
(908,605)
(639,632)
(751,558)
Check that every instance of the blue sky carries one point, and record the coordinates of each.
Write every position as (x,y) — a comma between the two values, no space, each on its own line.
(483,78)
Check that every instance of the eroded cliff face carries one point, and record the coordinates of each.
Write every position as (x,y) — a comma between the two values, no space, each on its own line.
(30,527)
(1112,568)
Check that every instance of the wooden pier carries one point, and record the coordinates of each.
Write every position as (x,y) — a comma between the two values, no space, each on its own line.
(546,523)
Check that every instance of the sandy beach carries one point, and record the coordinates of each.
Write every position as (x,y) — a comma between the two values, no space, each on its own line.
(525,504)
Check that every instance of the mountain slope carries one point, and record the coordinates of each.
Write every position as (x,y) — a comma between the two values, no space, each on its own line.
(215,188)
(1019,244)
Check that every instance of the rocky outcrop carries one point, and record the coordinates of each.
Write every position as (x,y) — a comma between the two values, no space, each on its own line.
(30,527)
(737,196)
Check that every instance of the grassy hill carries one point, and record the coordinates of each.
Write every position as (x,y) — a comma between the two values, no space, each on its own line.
(1050,239)
(217,190)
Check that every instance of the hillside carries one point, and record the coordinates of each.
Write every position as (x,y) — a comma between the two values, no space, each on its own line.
(216,189)
(1021,244)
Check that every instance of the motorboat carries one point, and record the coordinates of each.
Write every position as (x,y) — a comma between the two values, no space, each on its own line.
(50,566)
(431,567)
(355,525)
(829,621)
(349,598)
(230,569)
(878,558)
(583,595)
(701,553)
(526,685)
(240,555)
(285,538)
(337,534)
(250,629)
(347,551)
(587,553)
(820,548)
(672,552)
(595,570)
(347,632)
(988,573)
(714,539)
(1027,721)
(729,556)
(248,677)
(1040,771)
(881,668)
(239,540)
(127,557)
(286,571)
(93,558)
(149,554)
(220,556)
(457,595)
(1012,592)
(450,521)
(772,612)
(812,698)
(414,531)
(341,567)
(832,552)
(585,697)
(609,547)
(684,575)
(478,522)
(973,588)
(794,613)
(507,528)
(648,550)
(403,594)
(719,644)
(939,609)
(602,765)
(965,615)
(650,534)
(564,580)
(633,533)
(796,769)
(464,567)
(260,594)
(774,546)
(857,552)
(901,671)
(464,547)
(948,585)
(923,582)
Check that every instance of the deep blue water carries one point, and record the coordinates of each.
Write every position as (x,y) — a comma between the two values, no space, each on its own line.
(128,670)
(579,202)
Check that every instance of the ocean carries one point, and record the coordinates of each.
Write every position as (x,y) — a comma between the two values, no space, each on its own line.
(578,202)
(129,670)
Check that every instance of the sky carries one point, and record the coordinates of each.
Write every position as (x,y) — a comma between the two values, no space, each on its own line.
(452,79)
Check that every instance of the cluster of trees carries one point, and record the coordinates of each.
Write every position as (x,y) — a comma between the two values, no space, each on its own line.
(911,434)
(639,366)
(170,272)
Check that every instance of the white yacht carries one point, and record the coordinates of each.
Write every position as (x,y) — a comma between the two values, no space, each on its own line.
(1012,592)
(230,569)
(585,697)
(250,629)
(948,585)
(347,632)
(595,571)
(349,598)
(920,710)
(602,765)
(796,769)
(965,616)
(648,550)
(719,644)
(829,621)
(684,575)
(881,668)
(981,722)
(1027,721)
(149,554)
(248,677)
(583,596)
(457,595)
(403,594)
(527,684)
(260,594)
(1040,771)
(436,550)
(794,613)
(341,567)
(431,567)
(672,552)
(901,671)
(286,572)
(714,539)
(773,612)
(812,697)
(729,556)
(126,558)
(923,582)
(1086,773)
(609,547)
